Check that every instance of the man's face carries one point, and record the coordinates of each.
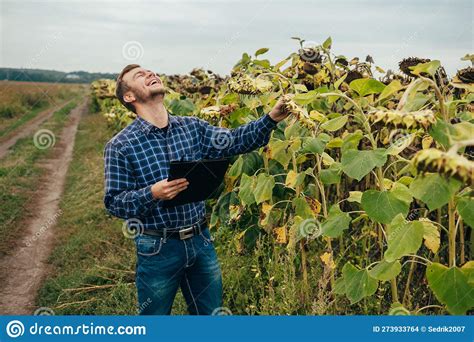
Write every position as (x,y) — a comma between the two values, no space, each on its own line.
(144,85)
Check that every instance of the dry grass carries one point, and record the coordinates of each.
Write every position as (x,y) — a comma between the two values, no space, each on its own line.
(21,101)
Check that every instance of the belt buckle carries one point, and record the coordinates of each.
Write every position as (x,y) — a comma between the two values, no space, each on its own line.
(186,233)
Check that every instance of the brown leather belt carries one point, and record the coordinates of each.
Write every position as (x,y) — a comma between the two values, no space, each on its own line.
(181,233)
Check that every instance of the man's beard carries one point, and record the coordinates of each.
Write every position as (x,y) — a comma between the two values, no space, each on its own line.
(156,92)
(143,97)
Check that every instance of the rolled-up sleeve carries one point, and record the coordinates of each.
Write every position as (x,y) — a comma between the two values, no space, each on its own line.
(219,142)
(122,198)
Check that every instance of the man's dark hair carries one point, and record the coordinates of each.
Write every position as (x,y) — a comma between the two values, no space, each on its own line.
(121,87)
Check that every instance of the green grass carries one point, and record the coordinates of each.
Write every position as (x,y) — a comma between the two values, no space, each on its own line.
(19,178)
(23,119)
(21,102)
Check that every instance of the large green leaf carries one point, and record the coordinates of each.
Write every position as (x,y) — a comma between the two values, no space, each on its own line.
(279,151)
(302,208)
(385,270)
(306,98)
(426,68)
(357,164)
(367,86)
(441,132)
(400,144)
(431,235)
(314,145)
(282,150)
(401,192)
(336,222)
(351,141)
(434,190)
(246,192)
(264,188)
(390,89)
(236,168)
(465,208)
(181,106)
(340,286)
(446,133)
(404,237)
(293,131)
(357,283)
(253,161)
(335,124)
(383,206)
(451,287)
(332,175)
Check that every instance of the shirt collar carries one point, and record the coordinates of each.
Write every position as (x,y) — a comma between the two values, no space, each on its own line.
(146,126)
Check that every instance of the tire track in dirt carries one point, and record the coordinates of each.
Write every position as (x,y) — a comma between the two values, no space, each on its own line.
(26,129)
(26,266)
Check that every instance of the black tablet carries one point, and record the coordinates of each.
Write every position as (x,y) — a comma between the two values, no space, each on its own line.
(204,177)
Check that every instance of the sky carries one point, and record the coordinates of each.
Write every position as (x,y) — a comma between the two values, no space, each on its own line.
(176,36)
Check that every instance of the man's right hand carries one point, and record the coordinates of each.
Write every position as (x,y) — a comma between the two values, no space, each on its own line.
(165,190)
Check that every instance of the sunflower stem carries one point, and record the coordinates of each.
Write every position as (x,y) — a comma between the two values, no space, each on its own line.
(452,233)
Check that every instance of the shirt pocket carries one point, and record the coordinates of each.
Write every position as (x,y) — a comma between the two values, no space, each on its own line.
(186,147)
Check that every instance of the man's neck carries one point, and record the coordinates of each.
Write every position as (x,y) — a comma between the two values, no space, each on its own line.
(154,112)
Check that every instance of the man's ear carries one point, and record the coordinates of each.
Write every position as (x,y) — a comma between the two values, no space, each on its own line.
(129,97)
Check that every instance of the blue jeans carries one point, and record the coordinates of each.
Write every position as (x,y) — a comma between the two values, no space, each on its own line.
(165,265)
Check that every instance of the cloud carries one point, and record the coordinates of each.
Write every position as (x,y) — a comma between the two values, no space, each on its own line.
(179,35)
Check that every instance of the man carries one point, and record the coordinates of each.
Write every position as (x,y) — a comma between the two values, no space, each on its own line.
(174,247)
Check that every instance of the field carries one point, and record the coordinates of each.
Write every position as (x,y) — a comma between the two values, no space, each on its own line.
(21,101)
(361,203)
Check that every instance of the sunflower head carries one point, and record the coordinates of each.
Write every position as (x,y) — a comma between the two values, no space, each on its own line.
(310,68)
(406,63)
(451,165)
(401,119)
(200,74)
(290,107)
(466,75)
(353,75)
(245,84)
(212,112)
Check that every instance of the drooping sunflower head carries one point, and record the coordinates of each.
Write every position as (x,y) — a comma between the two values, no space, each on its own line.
(310,68)
(200,74)
(290,107)
(448,164)
(213,112)
(353,75)
(401,119)
(466,75)
(341,60)
(245,84)
(406,63)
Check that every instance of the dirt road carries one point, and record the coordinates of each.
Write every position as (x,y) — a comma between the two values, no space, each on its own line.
(26,266)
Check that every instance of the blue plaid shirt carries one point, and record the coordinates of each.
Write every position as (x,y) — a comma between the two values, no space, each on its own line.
(140,155)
